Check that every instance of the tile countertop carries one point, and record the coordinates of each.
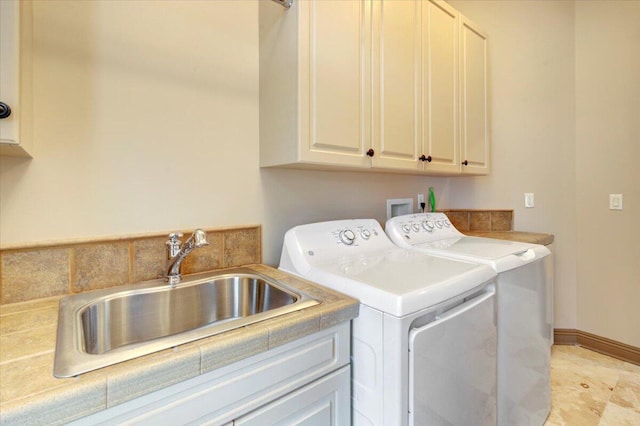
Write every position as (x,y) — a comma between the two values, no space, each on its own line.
(29,394)
(525,237)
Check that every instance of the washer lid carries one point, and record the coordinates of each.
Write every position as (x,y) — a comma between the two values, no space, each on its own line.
(478,247)
(400,282)
(355,257)
(501,255)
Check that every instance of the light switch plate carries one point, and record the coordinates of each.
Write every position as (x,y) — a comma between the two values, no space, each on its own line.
(615,201)
(529,200)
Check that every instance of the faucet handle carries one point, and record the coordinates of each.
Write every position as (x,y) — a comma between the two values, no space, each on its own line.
(173,244)
(175,236)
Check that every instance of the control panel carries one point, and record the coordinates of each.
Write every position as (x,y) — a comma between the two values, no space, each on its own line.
(413,229)
(355,234)
(322,242)
(351,243)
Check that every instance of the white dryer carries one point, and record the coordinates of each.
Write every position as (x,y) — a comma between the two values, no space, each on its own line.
(424,343)
(524,314)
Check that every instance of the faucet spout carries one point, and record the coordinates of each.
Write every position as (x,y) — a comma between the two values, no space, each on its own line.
(177,252)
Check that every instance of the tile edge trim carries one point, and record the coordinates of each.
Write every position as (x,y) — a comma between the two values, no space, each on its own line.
(113,238)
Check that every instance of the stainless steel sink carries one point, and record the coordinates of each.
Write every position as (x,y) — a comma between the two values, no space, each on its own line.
(105,327)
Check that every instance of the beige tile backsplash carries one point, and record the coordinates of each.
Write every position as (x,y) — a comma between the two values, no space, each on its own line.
(33,274)
(43,270)
(240,247)
(149,256)
(502,220)
(210,257)
(459,219)
(481,220)
(97,266)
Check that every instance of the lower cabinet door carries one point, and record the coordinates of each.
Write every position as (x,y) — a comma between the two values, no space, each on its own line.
(327,401)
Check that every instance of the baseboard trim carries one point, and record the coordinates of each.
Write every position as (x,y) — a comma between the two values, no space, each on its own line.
(565,336)
(612,348)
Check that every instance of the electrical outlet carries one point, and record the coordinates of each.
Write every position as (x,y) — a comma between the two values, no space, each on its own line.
(420,198)
(615,201)
(529,201)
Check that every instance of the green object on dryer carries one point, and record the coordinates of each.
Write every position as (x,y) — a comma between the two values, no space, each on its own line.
(432,200)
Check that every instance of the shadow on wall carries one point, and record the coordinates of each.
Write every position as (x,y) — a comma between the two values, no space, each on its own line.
(294,197)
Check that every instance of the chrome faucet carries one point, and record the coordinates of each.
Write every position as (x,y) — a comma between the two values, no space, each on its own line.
(176,252)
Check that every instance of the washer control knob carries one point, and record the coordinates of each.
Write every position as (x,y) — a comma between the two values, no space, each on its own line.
(347,237)
(415,227)
(406,228)
(439,224)
(365,234)
(427,225)
(447,223)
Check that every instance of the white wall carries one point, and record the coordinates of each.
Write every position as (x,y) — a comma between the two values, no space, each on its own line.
(146,119)
(608,149)
(532,129)
(142,112)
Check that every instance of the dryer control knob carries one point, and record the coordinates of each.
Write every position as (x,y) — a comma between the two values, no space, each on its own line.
(447,223)
(406,228)
(347,237)
(415,227)
(439,224)
(427,225)
(365,234)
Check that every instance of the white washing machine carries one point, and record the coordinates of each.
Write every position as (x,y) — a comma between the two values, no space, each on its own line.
(524,315)
(424,343)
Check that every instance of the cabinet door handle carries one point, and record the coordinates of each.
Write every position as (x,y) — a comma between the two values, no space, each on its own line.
(5,110)
(371,152)
(465,163)
(424,158)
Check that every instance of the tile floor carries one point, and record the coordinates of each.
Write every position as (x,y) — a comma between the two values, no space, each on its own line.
(588,388)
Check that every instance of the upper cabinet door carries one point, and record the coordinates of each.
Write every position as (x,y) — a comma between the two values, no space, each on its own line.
(15,77)
(314,84)
(10,69)
(334,90)
(396,84)
(440,30)
(474,124)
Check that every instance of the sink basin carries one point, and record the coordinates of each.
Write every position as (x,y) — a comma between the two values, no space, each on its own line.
(105,327)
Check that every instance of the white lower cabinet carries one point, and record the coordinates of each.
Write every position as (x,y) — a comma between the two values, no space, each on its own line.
(324,402)
(304,382)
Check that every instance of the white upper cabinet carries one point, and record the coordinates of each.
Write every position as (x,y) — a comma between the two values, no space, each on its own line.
(396,85)
(383,85)
(456,138)
(441,142)
(314,84)
(474,118)
(14,91)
